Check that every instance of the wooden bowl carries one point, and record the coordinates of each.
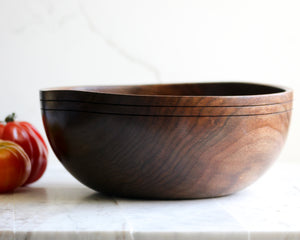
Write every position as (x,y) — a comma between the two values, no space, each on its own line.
(174,141)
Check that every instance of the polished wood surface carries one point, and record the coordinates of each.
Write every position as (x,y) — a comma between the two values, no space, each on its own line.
(138,141)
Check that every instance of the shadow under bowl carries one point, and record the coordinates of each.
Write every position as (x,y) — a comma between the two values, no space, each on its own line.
(168,141)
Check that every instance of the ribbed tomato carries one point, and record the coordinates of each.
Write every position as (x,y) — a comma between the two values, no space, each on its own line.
(24,134)
(15,166)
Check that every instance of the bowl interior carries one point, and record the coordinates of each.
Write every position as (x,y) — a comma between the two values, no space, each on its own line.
(229,94)
(202,89)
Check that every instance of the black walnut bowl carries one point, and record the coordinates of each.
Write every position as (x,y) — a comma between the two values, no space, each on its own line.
(169,141)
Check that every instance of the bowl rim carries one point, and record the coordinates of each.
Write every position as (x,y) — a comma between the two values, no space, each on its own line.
(83,94)
(85,88)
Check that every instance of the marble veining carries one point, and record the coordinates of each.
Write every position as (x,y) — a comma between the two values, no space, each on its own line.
(121,51)
(51,17)
(59,207)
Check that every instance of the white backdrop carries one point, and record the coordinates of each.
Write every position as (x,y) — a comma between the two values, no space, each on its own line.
(45,43)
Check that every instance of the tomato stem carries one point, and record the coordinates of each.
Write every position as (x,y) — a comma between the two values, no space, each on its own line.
(10,118)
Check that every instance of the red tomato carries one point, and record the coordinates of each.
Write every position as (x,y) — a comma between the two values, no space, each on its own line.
(15,166)
(24,134)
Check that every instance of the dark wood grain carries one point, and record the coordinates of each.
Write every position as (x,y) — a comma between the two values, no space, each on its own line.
(185,144)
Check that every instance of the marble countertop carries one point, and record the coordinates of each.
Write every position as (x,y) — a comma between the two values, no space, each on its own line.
(59,207)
